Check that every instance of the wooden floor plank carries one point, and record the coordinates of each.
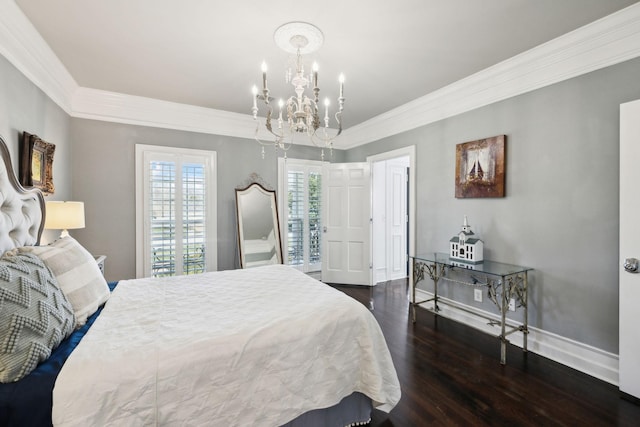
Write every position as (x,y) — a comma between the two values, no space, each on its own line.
(450,374)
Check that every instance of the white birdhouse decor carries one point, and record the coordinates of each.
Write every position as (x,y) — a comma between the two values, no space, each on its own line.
(466,247)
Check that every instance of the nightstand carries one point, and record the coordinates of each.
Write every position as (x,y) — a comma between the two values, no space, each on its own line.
(100,260)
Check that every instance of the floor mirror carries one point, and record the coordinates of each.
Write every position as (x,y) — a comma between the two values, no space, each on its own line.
(259,241)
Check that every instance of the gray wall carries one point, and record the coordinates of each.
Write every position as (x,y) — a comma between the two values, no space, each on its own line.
(103,173)
(560,213)
(24,107)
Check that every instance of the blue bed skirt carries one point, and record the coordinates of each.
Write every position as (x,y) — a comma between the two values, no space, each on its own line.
(28,402)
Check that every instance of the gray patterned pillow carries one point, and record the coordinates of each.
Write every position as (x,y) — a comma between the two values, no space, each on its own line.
(35,316)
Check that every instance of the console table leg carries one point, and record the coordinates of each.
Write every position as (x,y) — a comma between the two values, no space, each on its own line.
(418,275)
(503,323)
(419,269)
(436,309)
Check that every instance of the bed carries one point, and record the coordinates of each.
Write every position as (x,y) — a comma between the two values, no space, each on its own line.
(267,346)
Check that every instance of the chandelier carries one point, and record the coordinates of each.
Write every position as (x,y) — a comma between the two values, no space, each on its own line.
(299,114)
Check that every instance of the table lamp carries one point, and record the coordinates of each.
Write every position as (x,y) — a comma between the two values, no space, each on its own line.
(64,216)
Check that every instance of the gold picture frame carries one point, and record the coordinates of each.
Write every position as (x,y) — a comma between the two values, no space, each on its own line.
(480,168)
(36,163)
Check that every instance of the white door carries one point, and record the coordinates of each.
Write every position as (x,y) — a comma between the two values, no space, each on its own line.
(346,248)
(390,215)
(379,220)
(629,358)
(397,218)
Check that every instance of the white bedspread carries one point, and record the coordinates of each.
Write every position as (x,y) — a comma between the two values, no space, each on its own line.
(254,347)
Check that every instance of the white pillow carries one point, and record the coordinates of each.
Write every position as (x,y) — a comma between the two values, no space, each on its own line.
(77,273)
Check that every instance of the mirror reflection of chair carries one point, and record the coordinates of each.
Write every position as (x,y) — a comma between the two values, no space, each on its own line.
(259,241)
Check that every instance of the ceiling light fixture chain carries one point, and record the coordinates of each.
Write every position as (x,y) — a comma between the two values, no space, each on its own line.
(299,114)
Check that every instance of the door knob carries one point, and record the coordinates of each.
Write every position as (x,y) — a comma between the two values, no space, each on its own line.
(631,265)
(324,229)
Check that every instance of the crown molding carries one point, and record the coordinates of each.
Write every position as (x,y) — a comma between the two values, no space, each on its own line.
(23,47)
(136,110)
(117,107)
(608,41)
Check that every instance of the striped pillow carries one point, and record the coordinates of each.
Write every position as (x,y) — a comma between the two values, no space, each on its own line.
(77,273)
(35,316)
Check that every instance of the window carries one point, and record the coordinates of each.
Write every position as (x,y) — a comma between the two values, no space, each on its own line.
(176,211)
(302,185)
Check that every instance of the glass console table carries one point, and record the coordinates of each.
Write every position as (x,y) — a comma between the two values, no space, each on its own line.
(502,281)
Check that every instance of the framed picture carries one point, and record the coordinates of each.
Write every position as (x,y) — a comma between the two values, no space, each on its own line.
(480,168)
(36,163)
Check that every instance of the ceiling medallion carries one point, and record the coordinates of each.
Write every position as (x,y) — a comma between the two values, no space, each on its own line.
(299,37)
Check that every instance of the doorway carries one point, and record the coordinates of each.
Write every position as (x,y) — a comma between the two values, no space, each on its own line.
(392,236)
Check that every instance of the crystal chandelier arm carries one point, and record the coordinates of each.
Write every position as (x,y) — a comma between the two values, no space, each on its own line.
(279,134)
(341,98)
(338,117)
(321,136)
(268,122)
(279,142)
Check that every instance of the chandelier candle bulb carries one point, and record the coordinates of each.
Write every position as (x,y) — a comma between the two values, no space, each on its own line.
(264,75)
(341,80)
(315,74)
(254,91)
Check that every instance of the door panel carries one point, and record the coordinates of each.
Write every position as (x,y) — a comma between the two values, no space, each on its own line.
(346,237)
(629,357)
(397,225)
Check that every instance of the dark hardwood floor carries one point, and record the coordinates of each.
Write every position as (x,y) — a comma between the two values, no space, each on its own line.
(450,374)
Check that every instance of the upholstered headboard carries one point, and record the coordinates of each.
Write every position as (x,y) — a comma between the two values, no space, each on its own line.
(22,211)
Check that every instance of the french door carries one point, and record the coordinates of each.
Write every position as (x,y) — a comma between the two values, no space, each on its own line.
(176,216)
(301,185)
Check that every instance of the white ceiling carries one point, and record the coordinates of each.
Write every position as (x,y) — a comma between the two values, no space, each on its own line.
(208,53)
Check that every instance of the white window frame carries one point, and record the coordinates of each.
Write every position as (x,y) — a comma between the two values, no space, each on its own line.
(144,155)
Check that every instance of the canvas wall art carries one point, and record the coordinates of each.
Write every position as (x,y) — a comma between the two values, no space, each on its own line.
(480,169)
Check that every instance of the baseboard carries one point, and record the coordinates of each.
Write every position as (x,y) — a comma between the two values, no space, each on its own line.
(582,357)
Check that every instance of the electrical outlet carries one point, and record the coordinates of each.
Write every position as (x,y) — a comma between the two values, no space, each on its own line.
(477,295)
(512,304)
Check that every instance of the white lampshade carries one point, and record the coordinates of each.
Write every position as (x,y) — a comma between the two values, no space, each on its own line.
(64,216)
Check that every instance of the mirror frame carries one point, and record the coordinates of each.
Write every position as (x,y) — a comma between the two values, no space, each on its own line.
(271,194)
